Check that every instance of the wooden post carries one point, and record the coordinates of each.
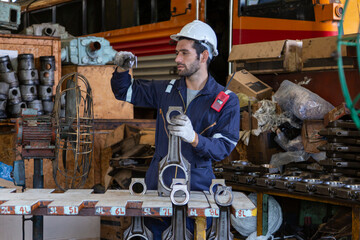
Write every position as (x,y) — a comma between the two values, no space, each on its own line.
(200,228)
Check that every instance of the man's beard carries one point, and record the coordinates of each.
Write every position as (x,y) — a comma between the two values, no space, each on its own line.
(189,71)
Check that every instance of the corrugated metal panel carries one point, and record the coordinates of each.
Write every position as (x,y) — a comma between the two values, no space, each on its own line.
(159,67)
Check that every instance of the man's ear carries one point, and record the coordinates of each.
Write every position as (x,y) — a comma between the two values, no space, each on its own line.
(205,56)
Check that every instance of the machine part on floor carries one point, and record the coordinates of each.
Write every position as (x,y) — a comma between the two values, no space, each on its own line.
(74,131)
(45,92)
(10,78)
(308,185)
(15,109)
(339,162)
(28,76)
(137,229)
(48,107)
(36,104)
(87,51)
(177,229)
(47,29)
(47,63)
(214,183)
(137,186)
(26,62)
(174,159)
(339,132)
(343,140)
(36,135)
(47,77)
(5,64)
(220,228)
(28,92)
(18,173)
(14,95)
(4,90)
(354,41)
(3,109)
(268,180)
(10,15)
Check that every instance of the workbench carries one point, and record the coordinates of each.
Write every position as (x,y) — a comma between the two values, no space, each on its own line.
(83,202)
(261,191)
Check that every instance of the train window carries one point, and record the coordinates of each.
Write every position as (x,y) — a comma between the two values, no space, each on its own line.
(282,9)
(163,10)
(69,15)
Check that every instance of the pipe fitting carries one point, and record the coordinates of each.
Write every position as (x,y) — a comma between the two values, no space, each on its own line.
(47,63)
(4,90)
(45,92)
(14,95)
(47,77)
(36,104)
(10,78)
(5,64)
(26,62)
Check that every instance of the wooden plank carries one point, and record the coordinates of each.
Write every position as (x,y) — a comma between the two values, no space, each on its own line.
(243,207)
(199,205)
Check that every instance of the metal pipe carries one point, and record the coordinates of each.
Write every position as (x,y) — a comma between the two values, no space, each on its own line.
(231,9)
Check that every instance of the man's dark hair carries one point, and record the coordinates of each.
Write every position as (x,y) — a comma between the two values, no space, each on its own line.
(199,48)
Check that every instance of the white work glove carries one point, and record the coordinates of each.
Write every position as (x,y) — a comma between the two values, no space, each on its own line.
(124,59)
(182,128)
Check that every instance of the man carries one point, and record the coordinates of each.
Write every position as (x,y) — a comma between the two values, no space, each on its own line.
(207,135)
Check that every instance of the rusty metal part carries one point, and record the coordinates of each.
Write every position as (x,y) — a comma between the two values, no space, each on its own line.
(45,92)
(36,104)
(268,180)
(28,92)
(174,159)
(74,130)
(15,109)
(344,140)
(5,64)
(248,178)
(47,77)
(334,147)
(14,95)
(28,76)
(10,78)
(220,228)
(349,156)
(349,191)
(48,107)
(342,124)
(47,63)
(328,188)
(26,62)
(339,132)
(4,90)
(287,182)
(308,185)
(3,109)
(137,186)
(177,229)
(339,162)
(36,136)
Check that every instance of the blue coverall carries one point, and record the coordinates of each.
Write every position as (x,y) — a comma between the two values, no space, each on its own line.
(218,132)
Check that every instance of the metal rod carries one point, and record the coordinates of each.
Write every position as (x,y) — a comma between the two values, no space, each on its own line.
(197,9)
(38,182)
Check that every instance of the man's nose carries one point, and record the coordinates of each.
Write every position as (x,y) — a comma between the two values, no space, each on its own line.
(178,59)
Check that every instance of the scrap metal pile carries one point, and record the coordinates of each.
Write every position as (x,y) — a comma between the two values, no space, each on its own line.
(337,176)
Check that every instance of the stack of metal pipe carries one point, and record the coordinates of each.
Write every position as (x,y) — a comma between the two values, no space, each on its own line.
(47,80)
(29,78)
(10,99)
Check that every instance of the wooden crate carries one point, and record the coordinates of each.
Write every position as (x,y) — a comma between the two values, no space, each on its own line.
(38,46)
(105,104)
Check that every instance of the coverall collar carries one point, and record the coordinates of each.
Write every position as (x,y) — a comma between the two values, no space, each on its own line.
(207,89)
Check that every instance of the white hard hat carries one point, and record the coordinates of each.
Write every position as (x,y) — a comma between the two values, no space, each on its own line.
(199,31)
